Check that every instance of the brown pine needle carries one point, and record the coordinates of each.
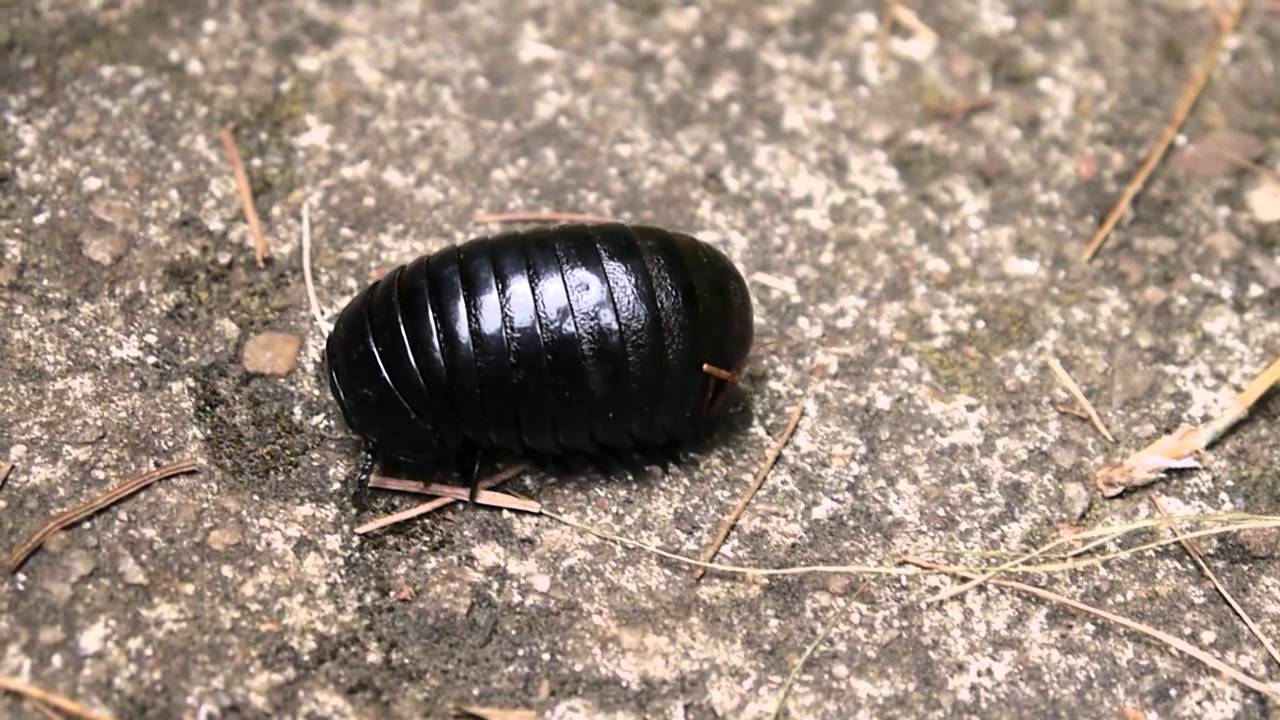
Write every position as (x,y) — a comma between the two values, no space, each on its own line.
(1199,79)
(45,710)
(432,505)
(484,218)
(5,469)
(1172,641)
(772,457)
(1175,450)
(1196,555)
(76,514)
(719,373)
(260,248)
(1071,386)
(40,695)
(457,492)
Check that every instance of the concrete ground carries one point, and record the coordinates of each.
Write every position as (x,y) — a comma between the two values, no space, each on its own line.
(912,222)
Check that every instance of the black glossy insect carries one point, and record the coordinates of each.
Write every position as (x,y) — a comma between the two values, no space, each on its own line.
(560,341)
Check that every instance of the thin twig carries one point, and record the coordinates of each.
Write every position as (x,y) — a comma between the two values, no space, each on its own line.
(45,710)
(1071,386)
(260,249)
(1199,79)
(41,695)
(1175,642)
(720,373)
(76,514)
(457,492)
(769,459)
(1175,450)
(312,299)
(483,218)
(5,469)
(436,504)
(1195,554)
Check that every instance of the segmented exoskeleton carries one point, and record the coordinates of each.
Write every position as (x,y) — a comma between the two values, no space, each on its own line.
(567,340)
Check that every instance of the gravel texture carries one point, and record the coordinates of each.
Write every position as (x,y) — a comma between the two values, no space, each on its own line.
(923,249)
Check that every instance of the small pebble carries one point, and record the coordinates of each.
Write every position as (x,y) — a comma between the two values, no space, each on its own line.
(228,535)
(103,245)
(130,571)
(79,565)
(1260,542)
(1223,244)
(1263,200)
(90,641)
(50,635)
(1154,296)
(541,582)
(272,353)
(1076,499)
(119,213)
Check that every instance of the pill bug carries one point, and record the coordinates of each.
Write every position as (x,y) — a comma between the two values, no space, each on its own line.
(574,340)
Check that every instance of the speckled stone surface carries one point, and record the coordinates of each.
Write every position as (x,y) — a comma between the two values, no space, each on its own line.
(928,260)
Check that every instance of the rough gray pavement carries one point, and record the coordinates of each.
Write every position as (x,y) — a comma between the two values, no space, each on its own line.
(925,255)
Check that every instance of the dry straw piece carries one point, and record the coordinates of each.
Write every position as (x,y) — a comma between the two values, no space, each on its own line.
(433,505)
(1071,386)
(1172,641)
(1175,450)
(457,492)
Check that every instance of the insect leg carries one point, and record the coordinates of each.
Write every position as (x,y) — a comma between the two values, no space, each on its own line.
(469,468)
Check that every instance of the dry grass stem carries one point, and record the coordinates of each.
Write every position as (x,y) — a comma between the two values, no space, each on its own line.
(719,373)
(314,301)
(76,514)
(1199,79)
(770,458)
(1175,450)
(457,492)
(988,574)
(827,626)
(483,218)
(1226,523)
(1071,386)
(1198,557)
(853,569)
(480,712)
(42,696)
(1174,642)
(794,675)
(432,505)
(260,248)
